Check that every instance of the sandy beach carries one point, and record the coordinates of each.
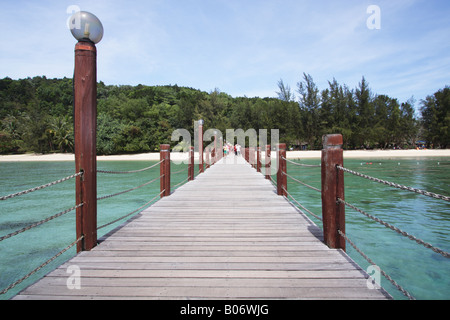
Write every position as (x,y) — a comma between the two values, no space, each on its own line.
(363,154)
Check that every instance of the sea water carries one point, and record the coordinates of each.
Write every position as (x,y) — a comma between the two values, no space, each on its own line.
(422,272)
(419,270)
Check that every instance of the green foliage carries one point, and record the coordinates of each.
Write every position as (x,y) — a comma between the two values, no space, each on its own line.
(36,115)
(436,118)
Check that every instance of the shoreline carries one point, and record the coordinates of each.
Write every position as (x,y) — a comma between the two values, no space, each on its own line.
(351,154)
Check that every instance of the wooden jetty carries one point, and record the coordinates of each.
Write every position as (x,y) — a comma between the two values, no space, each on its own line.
(225,235)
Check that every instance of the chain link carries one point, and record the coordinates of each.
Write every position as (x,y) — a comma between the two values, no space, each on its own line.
(396,185)
(40,267)
(395,284)
(403,233)
(125,191)
(311,213)
(40,187)
(133,171)
(306,185)
(301,164)
(40,222)
(184,181)
(129,214)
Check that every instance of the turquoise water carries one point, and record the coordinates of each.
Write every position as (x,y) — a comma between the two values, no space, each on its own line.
(425,274)
(422,272)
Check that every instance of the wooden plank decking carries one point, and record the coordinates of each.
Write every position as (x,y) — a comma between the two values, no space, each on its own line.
(226,235)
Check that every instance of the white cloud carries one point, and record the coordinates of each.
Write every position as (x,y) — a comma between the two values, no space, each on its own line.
(241,47)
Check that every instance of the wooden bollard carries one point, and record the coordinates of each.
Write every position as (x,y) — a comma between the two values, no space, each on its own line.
(267,162)
(191,164)
(165,170)
(207,160)
(281,173)
(258,159)
(201,168)
(333,212)
(85,128)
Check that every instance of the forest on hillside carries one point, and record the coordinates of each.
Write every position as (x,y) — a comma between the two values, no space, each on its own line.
(36,115)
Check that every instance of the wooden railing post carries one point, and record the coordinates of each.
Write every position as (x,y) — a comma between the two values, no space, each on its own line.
(207,160)
(333,212)
(215,156)
(191,164)
(251,156)
(267,161)
(85,129)
(200,146)
(281,173)
(258,159)
(165,170)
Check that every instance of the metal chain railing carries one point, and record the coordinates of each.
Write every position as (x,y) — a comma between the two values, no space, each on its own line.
(182,182)
(129,214)
(419,241)
(399,231)
(302,164)
(311,213)
(129,190)
(41,187)
(273,181)
(396,185)
(301,182)
(40,267)
(133,171)
(72,209)
(40,222)
(395,284)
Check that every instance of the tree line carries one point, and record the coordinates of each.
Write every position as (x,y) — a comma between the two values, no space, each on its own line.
(36,115)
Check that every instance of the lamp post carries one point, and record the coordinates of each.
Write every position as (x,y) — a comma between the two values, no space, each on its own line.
(88,30)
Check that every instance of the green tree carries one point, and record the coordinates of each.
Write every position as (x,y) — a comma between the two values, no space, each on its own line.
(362,129)
(435,112)
(309,106)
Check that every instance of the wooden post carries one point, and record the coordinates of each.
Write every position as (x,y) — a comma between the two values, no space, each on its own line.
(213,157)
(281,173)
(333,212)
(216,154)
(191,164)
(85,129)
(200,147)
(207,160)
(267,162)
(251,156)
(258,159)
(165,170)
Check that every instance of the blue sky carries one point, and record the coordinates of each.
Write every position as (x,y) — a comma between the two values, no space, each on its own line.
(241,47)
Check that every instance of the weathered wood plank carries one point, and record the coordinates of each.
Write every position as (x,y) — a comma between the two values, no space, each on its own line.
(226,235)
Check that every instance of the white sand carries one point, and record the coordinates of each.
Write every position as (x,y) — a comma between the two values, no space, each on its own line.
(290,154)
(369,154)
